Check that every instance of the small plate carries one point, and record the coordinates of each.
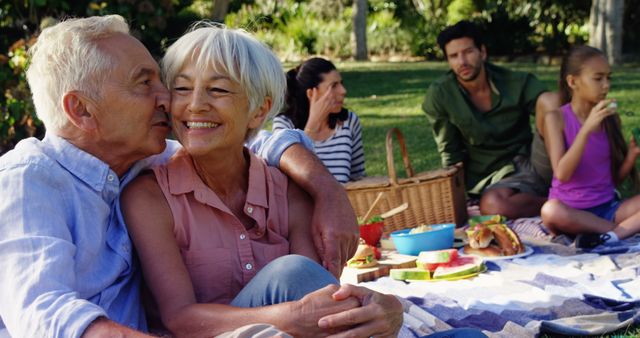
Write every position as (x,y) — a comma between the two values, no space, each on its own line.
(527,251)
(483,268)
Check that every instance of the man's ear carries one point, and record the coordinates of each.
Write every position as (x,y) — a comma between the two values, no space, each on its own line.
(76,107)
(260,113)
(483,52)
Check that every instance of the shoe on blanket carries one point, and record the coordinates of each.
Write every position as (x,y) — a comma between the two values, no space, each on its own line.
(591,240)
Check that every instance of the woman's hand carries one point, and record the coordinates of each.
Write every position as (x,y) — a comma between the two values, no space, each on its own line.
(319,110)
(379,315)
(598,113)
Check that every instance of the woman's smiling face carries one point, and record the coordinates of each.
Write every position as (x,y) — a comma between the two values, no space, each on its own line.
(209,110)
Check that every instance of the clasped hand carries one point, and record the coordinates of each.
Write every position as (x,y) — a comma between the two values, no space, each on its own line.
(349,311)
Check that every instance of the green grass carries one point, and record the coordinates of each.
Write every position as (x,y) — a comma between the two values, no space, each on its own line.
(386,95)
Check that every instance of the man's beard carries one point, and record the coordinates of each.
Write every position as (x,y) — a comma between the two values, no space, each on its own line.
(474,75)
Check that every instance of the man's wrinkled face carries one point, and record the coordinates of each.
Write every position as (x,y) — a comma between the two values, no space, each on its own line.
(131,111)
(465,58)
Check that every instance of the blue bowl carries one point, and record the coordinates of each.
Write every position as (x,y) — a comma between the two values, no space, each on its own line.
(440,237)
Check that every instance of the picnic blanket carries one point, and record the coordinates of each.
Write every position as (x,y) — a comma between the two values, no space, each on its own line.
(556,290)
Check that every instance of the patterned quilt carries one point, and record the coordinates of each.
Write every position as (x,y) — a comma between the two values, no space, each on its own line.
(556,290)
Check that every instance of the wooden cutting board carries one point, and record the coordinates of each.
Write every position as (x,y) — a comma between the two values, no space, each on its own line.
(389,260)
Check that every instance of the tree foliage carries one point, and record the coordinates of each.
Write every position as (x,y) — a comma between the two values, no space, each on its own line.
(152,21)
(299,28)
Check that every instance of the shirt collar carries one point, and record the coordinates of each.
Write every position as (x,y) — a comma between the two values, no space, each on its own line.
(183,179)
(83,165)
(491,77)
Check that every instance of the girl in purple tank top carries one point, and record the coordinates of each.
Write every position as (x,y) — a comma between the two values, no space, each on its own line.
(589,156)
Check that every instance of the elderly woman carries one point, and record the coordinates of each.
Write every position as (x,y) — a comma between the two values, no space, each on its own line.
(224,240)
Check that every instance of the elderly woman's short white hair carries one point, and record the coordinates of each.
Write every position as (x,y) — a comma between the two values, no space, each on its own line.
(233,52)
(66,57)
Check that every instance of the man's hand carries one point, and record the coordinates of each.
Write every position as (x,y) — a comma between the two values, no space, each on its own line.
(335,229)
(379,314)
(334,225)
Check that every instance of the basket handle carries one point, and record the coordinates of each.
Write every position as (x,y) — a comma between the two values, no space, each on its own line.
(405,156)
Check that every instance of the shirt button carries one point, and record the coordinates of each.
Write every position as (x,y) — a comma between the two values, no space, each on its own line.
(250,209)
(248,266)
(243,236)
(110,178)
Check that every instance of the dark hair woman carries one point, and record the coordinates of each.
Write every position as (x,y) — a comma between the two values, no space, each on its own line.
(315,99)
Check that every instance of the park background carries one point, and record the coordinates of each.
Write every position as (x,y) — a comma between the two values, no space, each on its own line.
(385,50)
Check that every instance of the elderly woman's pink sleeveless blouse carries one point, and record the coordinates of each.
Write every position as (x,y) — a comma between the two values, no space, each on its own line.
(219,253)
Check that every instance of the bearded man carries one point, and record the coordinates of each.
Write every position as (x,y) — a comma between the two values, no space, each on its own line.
(480,116)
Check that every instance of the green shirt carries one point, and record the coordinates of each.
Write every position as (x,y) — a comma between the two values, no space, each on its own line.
(485,142)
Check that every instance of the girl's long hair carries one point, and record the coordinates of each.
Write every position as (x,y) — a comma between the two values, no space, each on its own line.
(305,76)
(572,65)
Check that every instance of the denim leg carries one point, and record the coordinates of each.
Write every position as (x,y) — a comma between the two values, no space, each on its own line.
(286,278)
(458,333)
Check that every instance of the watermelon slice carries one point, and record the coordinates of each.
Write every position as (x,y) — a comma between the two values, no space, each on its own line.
(410,273)
(431,260)
(461,267)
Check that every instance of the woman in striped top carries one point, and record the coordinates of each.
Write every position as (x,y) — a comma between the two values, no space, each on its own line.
(315,98)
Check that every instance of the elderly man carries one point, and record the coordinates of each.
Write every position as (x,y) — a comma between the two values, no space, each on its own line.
(67,266)
(479,114)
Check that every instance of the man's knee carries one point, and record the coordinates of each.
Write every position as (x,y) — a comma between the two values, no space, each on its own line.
(495,201)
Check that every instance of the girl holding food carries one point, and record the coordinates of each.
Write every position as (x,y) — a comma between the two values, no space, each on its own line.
(589,156)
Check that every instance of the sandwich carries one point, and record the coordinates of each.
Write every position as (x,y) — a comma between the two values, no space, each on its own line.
(364,257)
(491,240)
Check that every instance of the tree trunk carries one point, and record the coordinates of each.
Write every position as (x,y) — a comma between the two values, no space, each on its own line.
(359,35)
(605,28)
(220,9)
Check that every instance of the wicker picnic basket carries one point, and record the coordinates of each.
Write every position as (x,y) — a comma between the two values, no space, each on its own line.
(434,196)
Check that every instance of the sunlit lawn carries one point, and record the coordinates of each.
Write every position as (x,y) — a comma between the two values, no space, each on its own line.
(386,95)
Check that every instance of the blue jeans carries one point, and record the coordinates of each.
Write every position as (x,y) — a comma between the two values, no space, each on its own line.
(285,279)
(289,278)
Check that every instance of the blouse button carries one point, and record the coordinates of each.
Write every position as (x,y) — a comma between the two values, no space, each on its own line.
(110,178)
(248,266)
(243,236)
(250,209)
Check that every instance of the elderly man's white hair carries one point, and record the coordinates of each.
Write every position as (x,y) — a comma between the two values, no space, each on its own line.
(65,58)
(234,52)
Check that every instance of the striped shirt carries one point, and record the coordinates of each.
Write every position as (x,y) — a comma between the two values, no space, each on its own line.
(342,153)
